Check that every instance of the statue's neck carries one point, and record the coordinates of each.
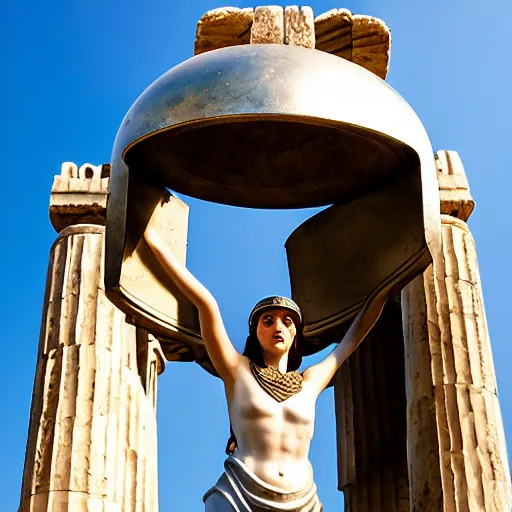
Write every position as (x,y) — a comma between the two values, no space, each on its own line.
(278,362)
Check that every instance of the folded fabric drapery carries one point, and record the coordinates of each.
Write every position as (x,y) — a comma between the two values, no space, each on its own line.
(240,490)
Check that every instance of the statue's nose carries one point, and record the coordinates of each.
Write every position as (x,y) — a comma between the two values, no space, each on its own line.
(279,325)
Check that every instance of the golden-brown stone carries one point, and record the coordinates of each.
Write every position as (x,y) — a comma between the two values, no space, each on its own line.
(226,26)
(365,40)
(299,26)
(268,25)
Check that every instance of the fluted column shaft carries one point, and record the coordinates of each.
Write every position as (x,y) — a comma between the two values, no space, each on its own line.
(92,435)
(369,394)
(456,444)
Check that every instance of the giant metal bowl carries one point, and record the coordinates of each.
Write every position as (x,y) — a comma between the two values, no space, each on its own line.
(270,126)
(275,126)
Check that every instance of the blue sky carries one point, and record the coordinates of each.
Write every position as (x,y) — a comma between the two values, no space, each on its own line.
(72,70)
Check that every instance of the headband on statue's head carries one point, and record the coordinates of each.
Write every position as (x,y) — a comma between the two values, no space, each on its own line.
(272,303)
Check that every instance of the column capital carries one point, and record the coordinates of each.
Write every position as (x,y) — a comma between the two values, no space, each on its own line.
(454,191)
(79,195)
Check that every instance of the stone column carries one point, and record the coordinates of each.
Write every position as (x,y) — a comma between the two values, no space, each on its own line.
(92,434)
(456,444)
(369,397)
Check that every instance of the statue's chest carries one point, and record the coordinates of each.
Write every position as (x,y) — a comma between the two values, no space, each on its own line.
(251,401)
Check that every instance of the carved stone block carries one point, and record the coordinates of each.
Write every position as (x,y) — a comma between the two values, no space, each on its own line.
(268,25)
(371,41)
(299,26)
(333,32)
(225,26)
(364,40)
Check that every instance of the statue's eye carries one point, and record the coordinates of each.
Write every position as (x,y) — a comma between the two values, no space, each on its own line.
(268,321)
(288,321)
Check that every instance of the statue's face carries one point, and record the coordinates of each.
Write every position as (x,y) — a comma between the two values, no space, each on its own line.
(276,331)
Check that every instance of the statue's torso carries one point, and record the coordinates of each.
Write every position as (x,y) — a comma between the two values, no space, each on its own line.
(273,437)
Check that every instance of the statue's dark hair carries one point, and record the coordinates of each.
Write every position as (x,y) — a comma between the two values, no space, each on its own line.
(254,353)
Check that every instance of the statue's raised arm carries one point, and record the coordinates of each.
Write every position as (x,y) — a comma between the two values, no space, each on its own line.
(223,354)
(319,375)
(271,405)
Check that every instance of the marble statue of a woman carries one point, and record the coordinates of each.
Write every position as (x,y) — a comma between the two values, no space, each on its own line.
(271,405)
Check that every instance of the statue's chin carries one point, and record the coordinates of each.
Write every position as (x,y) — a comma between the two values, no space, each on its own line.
(278,348)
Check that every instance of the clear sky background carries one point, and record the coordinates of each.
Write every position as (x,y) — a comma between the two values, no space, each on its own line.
(71,70)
